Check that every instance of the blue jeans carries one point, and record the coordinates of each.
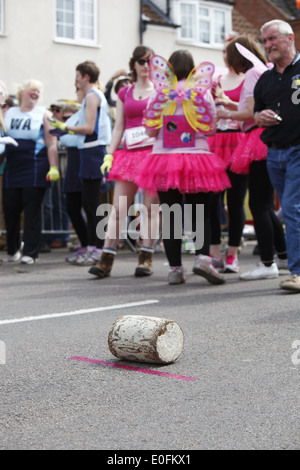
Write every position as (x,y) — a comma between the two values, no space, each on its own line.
(284,170)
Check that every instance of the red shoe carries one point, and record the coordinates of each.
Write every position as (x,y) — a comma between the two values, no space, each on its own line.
(232,264)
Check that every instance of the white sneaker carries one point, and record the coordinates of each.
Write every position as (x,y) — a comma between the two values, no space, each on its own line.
(89,258)
(261,272)
(282,263)
(176,275)
(72,258)
(18,254)
(27,260)
(203,267)
(232,264)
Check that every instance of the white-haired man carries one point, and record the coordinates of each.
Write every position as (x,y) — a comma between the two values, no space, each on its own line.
(277,109)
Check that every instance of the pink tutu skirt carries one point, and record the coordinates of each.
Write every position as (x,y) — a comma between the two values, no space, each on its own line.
(127,163)
(223,144)
(250,149)
(187,172)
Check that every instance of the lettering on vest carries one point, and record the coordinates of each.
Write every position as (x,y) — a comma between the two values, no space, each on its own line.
(21,124)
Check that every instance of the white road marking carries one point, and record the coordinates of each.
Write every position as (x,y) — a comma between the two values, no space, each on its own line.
(77,312)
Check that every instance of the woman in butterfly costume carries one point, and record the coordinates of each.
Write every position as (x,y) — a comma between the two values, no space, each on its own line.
(180,115)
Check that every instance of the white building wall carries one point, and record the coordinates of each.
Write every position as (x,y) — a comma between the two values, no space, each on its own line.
(164,41)
(28,48)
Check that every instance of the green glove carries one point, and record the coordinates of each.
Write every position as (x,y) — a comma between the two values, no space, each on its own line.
(53,174)
(59,125)
(107,163)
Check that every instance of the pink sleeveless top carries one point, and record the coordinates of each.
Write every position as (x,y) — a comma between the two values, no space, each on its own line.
(133,109)
(234,95)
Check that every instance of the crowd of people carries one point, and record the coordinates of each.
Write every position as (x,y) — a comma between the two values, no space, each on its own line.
(182,136)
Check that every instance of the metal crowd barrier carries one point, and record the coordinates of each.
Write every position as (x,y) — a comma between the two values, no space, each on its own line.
(55,220)
(54,217)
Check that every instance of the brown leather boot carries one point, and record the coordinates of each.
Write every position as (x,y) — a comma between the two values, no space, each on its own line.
(103,267)
(144,267)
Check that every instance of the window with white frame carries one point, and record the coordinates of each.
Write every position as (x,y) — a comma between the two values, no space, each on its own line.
(76,21)
(203,22)
(1,17)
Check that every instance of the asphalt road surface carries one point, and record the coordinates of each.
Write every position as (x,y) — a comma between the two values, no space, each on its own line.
(242,344)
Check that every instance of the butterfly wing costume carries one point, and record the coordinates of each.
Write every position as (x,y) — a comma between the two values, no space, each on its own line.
(170,93)
(180,158)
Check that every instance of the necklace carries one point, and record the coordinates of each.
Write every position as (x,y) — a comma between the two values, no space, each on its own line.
(142,93)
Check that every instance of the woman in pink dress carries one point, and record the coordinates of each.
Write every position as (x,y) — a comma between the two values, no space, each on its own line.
(227,92)
(181,168)
(123,166)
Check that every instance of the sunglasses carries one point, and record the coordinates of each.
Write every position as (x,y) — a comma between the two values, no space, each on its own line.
(143,61)
(55,110)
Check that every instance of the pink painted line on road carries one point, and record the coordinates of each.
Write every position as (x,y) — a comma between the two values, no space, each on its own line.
(134,368)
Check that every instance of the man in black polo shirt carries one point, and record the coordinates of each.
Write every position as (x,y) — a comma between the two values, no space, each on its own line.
(277,109)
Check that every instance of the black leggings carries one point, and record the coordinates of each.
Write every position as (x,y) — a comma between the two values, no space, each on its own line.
(30,200)
(91,199)
(268,228)
(74,210)
(173,242)
(235,203)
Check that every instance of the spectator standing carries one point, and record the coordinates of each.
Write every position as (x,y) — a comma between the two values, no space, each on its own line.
(72,185)
(27,171)
(57,109)
(94,130)
(119,80)
(54,215)
(8,103)
(3,96)
(118,77)
(277,111)
(250,157)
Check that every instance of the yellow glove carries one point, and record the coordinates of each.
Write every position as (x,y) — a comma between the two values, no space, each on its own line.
(62,126)
(53,174)
(107,163)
